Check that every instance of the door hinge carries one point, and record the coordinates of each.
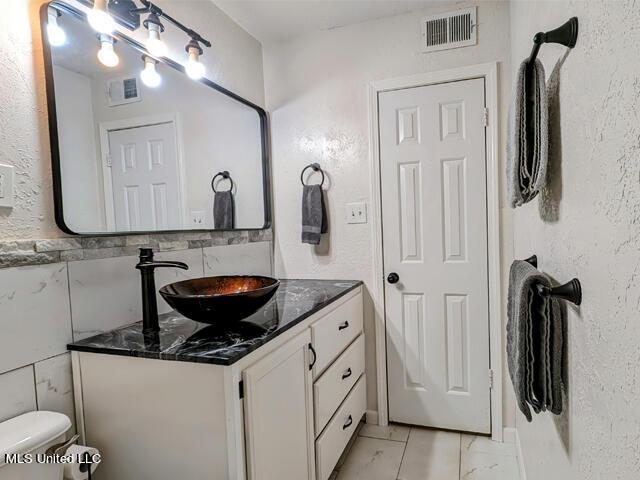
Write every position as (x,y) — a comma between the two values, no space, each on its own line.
(241,388)
(485,117)
(490,378)
(109,161)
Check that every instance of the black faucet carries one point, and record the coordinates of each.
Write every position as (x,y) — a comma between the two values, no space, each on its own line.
(149,304)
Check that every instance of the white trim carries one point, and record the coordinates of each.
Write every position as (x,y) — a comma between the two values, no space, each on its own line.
(509,435)
(488,71)
(371,417)
(134,122)
(523,472)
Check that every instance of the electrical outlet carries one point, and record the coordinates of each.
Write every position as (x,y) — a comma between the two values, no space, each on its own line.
(6,186)
(197,218)
(356,212)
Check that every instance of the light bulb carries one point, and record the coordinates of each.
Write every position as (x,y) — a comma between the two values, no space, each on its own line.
(150,76)
(99,18)
(107,55)
(194,68)
(155,45)
(55,33)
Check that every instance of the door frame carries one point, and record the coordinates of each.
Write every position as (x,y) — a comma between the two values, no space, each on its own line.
(134,122)
(489,72)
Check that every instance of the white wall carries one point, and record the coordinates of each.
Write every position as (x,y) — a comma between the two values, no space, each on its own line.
(316,88)
(234,61)
(81,181)
(592,233)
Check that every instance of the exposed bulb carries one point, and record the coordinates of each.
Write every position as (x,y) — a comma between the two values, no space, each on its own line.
(107,55)
(194,68)
(150,76)
(155,45)
(55,33)
(99,18)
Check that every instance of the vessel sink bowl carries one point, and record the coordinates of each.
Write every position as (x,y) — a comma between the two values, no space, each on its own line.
(222,299)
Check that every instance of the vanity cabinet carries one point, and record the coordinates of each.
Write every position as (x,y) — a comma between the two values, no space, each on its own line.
(283,410)
(279,413)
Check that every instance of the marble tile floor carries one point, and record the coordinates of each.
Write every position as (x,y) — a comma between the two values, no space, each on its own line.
(400,452)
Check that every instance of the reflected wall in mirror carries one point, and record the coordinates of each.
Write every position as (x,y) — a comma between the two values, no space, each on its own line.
(136,143)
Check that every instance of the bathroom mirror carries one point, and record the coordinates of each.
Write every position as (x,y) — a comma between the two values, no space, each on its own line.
(145,152)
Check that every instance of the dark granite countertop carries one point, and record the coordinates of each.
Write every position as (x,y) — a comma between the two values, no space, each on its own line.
(184,340)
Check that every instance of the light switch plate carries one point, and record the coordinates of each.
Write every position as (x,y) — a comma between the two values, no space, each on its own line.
(6,186)
(356,212)
(197,218)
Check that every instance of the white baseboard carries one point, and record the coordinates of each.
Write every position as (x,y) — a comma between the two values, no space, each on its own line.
(372,417)
(523,473)
(509,435)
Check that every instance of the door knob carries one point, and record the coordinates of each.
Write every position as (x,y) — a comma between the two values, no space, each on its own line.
(393,277)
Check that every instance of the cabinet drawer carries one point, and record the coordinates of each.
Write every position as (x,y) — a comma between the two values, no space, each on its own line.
(334,439)
(334,332)
(333,386)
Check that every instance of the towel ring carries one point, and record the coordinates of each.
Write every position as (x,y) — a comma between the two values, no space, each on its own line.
(316,168)
(224,175)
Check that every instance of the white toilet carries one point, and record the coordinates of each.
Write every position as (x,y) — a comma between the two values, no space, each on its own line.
(32,433)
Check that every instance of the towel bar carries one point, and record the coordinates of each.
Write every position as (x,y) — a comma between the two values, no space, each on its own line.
(571,291)
(566,34)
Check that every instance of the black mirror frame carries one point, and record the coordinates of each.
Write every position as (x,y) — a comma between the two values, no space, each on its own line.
(53,128)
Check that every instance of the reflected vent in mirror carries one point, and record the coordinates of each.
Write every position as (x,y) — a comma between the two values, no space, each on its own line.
(449,30)
(122,91)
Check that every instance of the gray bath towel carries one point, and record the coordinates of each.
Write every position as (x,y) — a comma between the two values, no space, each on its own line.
(223,210)
(534,341)
(314,215)
(527,153)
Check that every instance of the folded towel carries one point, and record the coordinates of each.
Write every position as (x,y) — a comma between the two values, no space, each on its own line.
(223,210)
(528,135)
(534,341)
(314,215)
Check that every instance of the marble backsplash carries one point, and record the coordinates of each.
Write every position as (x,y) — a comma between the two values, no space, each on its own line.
(47,302)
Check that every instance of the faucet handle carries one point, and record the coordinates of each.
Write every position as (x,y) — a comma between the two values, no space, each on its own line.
(146,255)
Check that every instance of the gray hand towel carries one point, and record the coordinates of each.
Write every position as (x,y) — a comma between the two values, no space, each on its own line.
(314,216)
(223,210)
(527,172)
(534,342)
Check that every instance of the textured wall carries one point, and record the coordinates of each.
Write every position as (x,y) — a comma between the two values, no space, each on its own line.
(590,228)
(234,61)
(316,88)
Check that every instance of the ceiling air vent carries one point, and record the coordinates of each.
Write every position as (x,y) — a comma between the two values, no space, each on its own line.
(449,30)
(122,91)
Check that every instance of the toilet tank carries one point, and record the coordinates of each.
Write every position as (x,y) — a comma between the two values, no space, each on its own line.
(31,433)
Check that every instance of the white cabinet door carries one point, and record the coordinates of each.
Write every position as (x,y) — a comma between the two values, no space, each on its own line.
(279,414)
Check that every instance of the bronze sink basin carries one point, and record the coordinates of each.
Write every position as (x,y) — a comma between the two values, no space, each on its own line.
(222,299)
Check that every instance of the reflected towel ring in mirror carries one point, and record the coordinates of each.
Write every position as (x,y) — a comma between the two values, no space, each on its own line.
(316,168)
(224,175)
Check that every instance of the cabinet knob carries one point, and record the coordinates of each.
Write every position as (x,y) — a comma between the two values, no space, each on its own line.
(348,423)
(347,374)
(344,325)
(393,277)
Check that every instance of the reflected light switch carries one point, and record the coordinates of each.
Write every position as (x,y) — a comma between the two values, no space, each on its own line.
(356,212)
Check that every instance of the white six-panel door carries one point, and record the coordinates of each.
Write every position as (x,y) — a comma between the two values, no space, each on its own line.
(433,175)
(145,178)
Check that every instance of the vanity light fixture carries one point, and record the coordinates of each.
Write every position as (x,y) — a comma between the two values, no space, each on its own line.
(55,33)
(154,44)
(149,75)
(99,17)
(194,67)
(107,55)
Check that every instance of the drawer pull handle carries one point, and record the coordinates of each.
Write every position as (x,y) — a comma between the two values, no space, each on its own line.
(343,326)
(315,357)
(347,374)
(348,423)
